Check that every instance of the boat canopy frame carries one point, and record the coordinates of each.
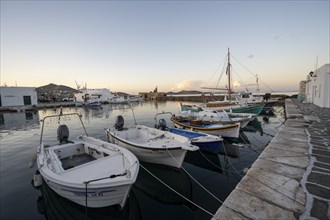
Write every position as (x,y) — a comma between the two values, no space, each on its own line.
(59,118)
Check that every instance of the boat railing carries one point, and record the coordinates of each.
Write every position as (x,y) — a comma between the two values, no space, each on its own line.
(161,113)
(59,117)
(129,107)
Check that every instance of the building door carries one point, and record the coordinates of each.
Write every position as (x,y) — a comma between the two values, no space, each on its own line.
(0,101)
(27,100)
(314,92)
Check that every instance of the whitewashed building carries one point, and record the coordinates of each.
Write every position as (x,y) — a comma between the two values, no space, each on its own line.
(317,87)
(18,96)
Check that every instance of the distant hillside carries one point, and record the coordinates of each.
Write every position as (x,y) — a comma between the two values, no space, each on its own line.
(53,87)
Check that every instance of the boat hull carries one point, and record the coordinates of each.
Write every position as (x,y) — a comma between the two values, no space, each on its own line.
(96,197)
(171,157)
(254,109)
(229,130)
(213,147)
(205,142)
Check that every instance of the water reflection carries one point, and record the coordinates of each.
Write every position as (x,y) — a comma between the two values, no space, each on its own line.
(204,160)
(144,202)
(18,120)
(254,126)
(159,182)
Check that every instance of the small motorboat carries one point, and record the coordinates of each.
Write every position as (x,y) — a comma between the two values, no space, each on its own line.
(86,170)
(149,144)
(205,142)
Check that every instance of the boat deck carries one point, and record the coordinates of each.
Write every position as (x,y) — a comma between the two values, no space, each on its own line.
(76,160)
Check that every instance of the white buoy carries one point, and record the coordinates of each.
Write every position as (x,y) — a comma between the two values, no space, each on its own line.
(37,179)
(33,160)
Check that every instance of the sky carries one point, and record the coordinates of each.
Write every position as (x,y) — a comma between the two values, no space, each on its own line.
(134,46)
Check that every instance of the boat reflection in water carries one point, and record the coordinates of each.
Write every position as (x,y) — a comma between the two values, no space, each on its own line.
(204,160)
(232,149)
(56,207)
(154,180)
(254,126)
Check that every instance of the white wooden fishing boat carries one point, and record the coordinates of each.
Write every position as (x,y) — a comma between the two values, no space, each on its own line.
(208,127)
(85,170)
(151,145)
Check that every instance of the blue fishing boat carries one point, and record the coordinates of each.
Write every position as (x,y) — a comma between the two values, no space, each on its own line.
(205,142)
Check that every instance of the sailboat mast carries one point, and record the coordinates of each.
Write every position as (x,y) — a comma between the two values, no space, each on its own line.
(228,73)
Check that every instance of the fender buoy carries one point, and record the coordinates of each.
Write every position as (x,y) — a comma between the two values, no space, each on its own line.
(37,179)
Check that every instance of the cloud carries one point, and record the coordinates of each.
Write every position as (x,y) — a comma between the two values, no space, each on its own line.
(237,84)
(187,85)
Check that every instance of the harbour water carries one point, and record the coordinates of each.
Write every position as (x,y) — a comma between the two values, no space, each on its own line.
(204,181)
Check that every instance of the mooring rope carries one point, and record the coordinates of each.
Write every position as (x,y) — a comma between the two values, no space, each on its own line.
(194,178)
(176,191)
(216,166)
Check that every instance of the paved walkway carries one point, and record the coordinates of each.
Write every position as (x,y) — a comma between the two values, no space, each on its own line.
(291,177)
(316,182)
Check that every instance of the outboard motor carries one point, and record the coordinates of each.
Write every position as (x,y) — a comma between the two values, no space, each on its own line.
(162,124)
(63,134)
(119,125)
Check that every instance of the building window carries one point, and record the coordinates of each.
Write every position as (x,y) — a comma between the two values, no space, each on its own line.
(27,100)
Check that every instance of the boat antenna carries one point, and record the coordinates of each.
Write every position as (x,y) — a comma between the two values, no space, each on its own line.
(133,113)
(59,115)
(228,73)
(257,80)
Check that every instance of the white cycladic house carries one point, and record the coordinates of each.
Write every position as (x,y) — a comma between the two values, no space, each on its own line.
(18,96)
(318,87)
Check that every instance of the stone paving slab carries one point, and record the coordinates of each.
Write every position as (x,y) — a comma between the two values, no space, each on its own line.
(288,158)
(296,130)
(275,188)
(279,168)
(292,137)
(302,149)
(291,143)
(251,208)
(294,123)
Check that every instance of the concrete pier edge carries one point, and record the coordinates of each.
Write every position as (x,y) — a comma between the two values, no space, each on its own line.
(275,187)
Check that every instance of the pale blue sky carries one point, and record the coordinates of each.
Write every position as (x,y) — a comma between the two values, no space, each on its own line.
(134,46)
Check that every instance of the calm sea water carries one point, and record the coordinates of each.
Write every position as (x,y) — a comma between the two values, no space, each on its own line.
(205,179)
